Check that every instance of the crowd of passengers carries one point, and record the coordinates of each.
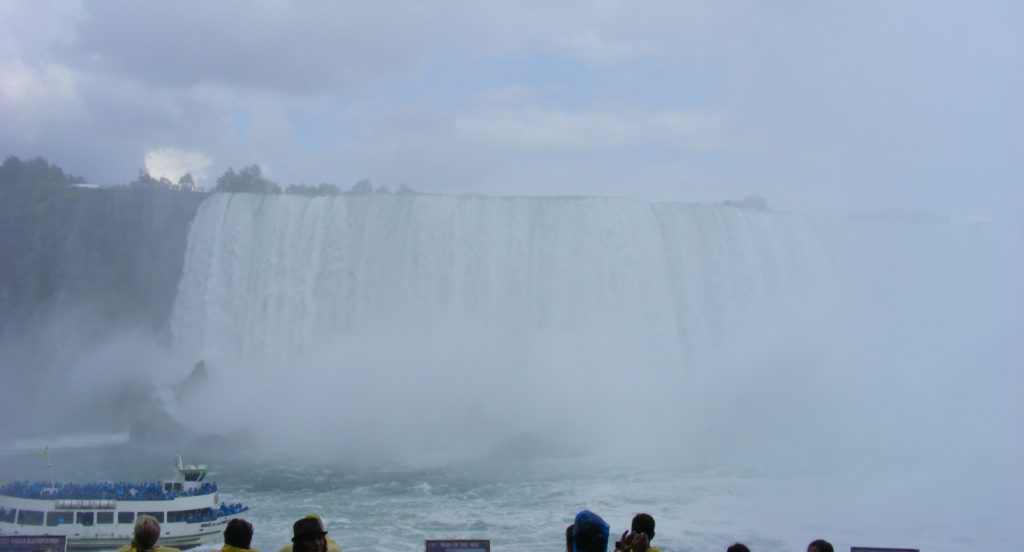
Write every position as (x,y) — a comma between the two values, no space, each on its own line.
(102,491)
(588,533)
(225,510)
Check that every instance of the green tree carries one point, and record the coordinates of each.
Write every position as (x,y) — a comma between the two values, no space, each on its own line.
(145,181)
(250,179)
(187,183)
(363,187)
(36,171)
(326,189)
(300,189)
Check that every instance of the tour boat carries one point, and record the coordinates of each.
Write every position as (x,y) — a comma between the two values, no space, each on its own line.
(102,515)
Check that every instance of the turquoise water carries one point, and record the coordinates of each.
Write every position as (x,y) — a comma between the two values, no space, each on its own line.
(527,505)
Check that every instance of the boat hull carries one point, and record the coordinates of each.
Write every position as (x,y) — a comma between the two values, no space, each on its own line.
(177,535)
(89,533)
(101,516)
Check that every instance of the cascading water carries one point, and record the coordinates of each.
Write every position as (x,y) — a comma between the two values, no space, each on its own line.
(486,316)
(267,277)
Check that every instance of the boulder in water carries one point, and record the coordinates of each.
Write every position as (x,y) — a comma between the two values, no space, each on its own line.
(192,383)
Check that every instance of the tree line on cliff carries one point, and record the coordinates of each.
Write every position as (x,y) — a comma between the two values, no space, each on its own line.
(250,179)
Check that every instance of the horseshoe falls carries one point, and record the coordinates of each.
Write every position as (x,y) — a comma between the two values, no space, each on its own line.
(743,357)
(269,277)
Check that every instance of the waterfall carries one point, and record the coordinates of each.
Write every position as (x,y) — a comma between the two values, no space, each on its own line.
(485,316)
(267,276)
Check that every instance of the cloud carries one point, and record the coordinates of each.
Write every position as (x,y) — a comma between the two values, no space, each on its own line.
(863,106)
(608,129)
(173,163)
(33,100)
(32,29)
(295,49)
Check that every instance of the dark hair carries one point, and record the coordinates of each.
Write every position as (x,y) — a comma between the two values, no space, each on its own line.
(738,547)
(820,545)
(146,533)
(238,533)
(299,545)
(644,523)
(568,539)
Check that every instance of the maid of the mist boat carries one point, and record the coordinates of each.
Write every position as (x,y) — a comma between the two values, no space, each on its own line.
(102,515)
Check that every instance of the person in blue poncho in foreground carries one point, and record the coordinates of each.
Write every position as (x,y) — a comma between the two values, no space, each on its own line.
(589,533)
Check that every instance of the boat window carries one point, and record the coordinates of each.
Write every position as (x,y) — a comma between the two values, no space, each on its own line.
(85,518)
(172,486)
(7,515)
(104,518)
(126,517)
(158,515)
(190,516)
(30,517)
(59,518)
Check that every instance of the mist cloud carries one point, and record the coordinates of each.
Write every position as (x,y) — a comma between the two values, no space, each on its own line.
(845,108)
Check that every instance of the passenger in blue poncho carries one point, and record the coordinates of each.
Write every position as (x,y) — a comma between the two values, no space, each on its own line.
(589,533)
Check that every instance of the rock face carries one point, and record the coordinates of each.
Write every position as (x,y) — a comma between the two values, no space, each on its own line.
(154,426)
(154,423)
(114,253)
(193,382)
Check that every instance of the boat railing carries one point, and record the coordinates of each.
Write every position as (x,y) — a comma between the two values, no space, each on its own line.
(101,491)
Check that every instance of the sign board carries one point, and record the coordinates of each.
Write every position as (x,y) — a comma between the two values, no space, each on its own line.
(876,549)
(34,543)
(457,546)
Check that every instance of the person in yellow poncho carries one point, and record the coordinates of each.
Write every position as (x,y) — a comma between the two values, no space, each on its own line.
(310,536)
(147,531)
(639,538)
(238,536)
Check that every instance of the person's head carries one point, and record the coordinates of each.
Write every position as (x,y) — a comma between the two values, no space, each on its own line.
(238,533)
(738,547)
(147,531)
(820,545)
(568,538)
(308,535)
(589,532)
(644,523)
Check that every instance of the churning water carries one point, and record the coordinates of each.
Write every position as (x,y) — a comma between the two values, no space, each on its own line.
(524,506)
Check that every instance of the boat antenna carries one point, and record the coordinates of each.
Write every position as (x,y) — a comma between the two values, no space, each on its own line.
(49,465)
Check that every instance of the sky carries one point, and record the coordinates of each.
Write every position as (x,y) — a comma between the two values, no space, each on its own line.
(832,107)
